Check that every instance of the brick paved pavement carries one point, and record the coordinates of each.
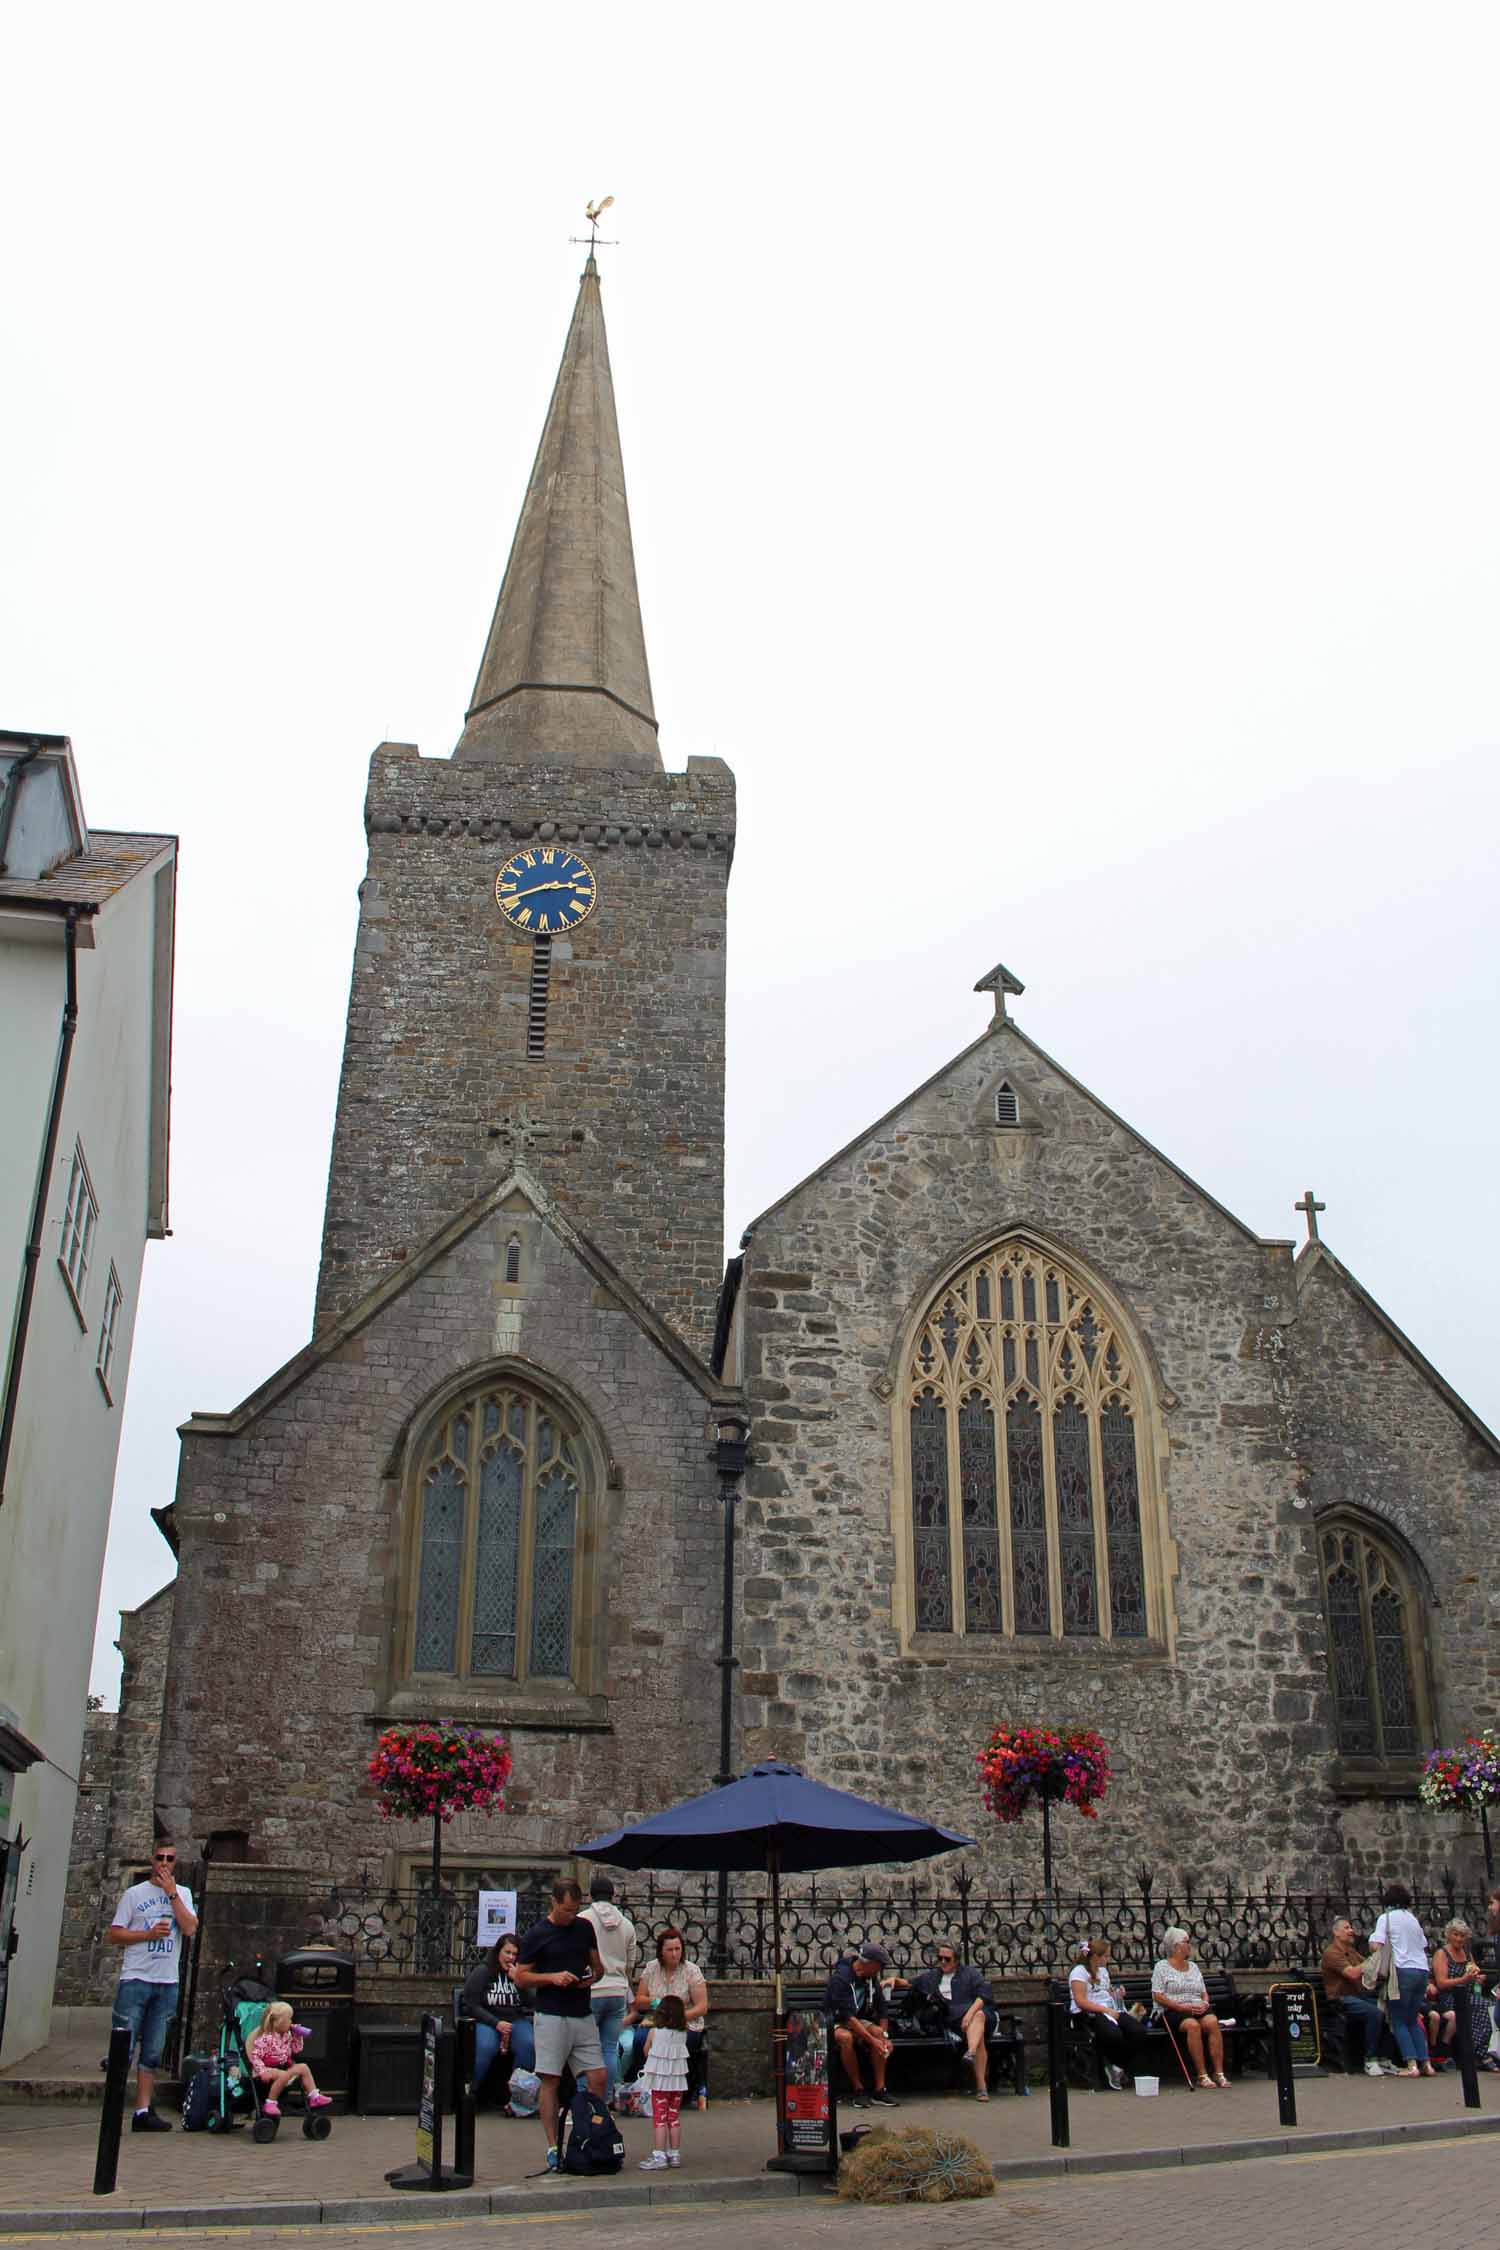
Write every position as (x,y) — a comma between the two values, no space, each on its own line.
(1446,2194)
(47,2152)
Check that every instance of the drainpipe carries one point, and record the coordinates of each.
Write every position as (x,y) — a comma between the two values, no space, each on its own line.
(33,1252)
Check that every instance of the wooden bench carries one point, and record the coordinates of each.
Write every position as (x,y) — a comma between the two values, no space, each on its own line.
(1244,2016)
(1005,2045)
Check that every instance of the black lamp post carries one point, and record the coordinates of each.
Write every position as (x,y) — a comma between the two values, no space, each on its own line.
(730,1455)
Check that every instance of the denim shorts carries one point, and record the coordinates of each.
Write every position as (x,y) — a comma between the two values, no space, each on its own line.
(144,2010)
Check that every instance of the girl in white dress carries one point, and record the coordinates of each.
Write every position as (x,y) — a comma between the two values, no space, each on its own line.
(666,2073)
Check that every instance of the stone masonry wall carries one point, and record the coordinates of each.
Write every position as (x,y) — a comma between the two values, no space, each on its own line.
(113,1826)
(1375,1434)
(1220,1742)
(84,1909)
(623,1119)
(283,1663)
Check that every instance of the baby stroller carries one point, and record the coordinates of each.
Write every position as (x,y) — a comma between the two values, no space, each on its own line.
(232,2090)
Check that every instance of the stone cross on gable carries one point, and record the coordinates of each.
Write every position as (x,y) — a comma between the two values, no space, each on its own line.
(1310,1207)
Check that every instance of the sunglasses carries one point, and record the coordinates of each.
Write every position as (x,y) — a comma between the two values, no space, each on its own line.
(167,1859)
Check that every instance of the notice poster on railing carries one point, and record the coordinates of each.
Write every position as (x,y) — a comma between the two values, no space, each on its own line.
(497,1916)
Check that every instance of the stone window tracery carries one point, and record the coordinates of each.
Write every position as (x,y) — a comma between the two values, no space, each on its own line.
(1375,1647)
(500,1500)
(1023,1405)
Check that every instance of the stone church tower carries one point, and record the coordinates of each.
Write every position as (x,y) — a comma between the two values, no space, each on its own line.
(582,1034)
(486,1490)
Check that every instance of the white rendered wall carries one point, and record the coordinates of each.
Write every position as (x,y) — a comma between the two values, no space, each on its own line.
(55,1519)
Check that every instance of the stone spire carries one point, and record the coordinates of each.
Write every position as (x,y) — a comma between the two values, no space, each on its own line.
(564,678)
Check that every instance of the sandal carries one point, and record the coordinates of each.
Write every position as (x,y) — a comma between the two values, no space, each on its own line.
(1221,2081)
(1206,2081)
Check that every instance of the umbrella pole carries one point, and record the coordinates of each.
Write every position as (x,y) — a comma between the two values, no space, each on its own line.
(776,1930)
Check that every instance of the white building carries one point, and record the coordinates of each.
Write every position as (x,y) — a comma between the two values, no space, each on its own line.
(86,939)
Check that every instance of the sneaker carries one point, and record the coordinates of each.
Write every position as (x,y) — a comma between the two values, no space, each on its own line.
(147,2121)
(270,2109)
(657,2161)
(674,2157)
(859,2101)
(1116,2077)
(320,2101)
(886,2101)
(1374,2070)
(552,2160)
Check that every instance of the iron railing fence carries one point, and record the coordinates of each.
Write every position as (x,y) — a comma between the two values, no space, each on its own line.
(395,1932)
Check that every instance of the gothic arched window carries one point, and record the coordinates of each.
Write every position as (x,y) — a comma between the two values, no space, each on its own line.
(501,1492)
(1023,1409)
(1376,1656)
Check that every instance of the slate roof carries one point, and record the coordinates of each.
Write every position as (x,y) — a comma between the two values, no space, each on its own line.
(93,877)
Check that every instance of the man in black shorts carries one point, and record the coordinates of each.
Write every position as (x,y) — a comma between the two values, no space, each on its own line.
(557,1965)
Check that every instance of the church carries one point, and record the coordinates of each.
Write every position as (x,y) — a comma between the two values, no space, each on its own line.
(1037,1429)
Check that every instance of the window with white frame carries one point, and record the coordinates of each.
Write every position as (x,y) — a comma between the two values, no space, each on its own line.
(104,1364)
(80,1220)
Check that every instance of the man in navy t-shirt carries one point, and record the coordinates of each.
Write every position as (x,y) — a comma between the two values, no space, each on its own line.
(557,1966)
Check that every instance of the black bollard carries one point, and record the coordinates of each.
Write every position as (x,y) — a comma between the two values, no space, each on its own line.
(1465,2035)
(463,2098)
(112,2115)
(1057,2070)
(1281,2053)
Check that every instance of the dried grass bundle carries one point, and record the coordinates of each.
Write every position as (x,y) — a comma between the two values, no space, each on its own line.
(915,2166)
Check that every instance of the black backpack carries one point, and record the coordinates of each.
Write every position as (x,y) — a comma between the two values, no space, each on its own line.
(592,2143)
(199,2101)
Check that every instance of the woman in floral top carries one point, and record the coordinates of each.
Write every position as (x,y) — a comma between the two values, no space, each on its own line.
(671,1972)
(1181,1999)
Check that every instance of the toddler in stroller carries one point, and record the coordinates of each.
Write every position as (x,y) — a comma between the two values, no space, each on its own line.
(254,2065)
(274,2049)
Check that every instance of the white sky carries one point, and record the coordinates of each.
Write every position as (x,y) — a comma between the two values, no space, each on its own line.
(1064,470)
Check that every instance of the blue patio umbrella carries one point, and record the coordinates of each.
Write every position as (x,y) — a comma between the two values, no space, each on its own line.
(774,1820)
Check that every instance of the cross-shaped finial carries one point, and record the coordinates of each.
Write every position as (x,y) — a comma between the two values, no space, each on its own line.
(1310,1207)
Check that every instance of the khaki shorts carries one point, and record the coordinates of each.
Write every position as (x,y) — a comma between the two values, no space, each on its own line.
(567,2039)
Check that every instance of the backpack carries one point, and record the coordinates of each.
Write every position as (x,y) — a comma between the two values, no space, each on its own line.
(592,2143)
(198,2101)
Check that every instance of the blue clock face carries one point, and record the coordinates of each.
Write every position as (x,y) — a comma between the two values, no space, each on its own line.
(545,890)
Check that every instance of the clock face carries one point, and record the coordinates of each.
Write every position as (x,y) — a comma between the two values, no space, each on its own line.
(545,890)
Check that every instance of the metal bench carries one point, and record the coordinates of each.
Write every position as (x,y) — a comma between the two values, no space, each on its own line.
(1006,2045)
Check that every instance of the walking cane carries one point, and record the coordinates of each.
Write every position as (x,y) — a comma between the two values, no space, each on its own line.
(1187,2077)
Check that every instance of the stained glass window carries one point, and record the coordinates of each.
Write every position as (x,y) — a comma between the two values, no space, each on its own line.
(929,1498)
(1027,1497)
(1373,1643)
(500,1494)
(978,1486)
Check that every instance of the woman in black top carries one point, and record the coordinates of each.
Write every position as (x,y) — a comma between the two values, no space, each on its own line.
(502,2020)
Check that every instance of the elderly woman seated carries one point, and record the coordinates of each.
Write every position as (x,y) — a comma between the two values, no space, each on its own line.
(1181,2000)
(1454,1974)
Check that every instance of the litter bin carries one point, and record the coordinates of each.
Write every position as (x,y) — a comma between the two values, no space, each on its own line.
(320,1987)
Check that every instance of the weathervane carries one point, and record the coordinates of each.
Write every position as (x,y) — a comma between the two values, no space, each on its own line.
(594,212)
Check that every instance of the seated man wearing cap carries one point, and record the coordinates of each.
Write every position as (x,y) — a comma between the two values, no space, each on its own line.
(856,2007)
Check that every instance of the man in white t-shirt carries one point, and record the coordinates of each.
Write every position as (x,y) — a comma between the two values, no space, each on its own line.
(150,1924)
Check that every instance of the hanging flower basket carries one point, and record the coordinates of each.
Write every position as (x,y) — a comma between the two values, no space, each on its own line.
(1019,1763)
(1466,1779)
(431,1773)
